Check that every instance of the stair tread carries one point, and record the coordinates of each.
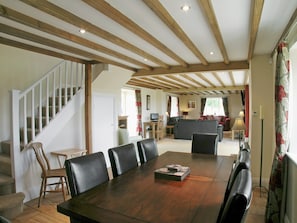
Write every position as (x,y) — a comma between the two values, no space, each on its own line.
(4,179)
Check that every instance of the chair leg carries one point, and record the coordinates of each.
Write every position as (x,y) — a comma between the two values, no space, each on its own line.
(41,190)
(63,189)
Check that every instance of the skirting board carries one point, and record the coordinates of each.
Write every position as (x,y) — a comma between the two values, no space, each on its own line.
(265,182)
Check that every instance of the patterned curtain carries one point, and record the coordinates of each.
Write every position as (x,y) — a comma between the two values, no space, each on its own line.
(225,105)
(169,106)
(139,109)
(275,193)
(203,102)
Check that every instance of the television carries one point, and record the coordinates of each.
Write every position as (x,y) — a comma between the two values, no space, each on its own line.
(154,116)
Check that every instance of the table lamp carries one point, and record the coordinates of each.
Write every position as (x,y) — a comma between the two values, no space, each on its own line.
(239,126)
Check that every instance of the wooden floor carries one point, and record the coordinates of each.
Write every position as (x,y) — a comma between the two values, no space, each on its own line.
(47,213)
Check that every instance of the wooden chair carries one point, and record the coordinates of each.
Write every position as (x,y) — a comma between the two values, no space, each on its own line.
(86,172)
(48,173)
(159,129)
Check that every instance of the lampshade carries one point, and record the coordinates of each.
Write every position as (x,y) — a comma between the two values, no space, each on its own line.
(238,124)
(241,114)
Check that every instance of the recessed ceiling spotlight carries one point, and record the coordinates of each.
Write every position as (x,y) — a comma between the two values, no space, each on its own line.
(82,31)
(211,53)
(185,7)
(144,59)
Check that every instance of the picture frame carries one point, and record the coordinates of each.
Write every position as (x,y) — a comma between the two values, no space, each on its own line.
(191,104)
(148,102)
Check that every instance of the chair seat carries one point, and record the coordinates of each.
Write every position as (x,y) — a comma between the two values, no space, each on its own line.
(55,173)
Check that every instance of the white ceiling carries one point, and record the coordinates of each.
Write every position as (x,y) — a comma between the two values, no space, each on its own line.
(180,49)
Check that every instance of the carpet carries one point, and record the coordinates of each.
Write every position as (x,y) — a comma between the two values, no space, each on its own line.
(227,147)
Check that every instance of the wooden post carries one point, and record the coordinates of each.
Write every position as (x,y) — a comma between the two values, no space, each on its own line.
(88,107)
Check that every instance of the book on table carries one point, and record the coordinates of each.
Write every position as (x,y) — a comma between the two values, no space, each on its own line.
(172,172)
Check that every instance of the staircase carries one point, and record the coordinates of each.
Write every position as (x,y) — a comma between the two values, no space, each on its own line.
(33,111)
(39,104)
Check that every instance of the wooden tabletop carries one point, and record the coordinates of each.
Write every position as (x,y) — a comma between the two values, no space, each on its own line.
(137,196)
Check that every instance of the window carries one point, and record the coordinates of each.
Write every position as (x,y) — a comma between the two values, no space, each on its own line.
(214,106)
(174,107)
(129,108)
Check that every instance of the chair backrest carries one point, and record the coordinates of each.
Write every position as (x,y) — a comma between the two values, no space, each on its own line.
(205,143)
(147,150)
(239,199)
(86,172)
(122,159)
(243,162)
(40,156)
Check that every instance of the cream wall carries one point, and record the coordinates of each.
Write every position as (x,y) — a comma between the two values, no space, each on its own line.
(262,94)
(234,102)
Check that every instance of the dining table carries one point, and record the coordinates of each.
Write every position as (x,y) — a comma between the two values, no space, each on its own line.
(138,196)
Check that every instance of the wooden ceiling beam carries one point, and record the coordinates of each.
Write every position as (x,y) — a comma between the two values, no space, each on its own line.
(220,66)
(230,88)
(212,20)
(163,14)
(109,11)
(256,12)
(35,49)
(34,23)
(51,43)
(51,9)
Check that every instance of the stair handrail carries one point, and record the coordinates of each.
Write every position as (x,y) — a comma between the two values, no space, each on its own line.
(66,75)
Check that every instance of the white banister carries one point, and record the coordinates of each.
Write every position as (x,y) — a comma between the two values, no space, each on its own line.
(35,103)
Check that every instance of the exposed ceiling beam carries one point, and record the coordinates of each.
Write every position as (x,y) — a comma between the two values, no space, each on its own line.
(51,43)
(35,49)
(230,88)
(212,20)
(34,23)
(70,18)
(162,13)
(256,9)
(109,11)
(235,65)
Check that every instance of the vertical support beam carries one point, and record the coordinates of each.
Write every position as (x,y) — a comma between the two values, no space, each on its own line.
(88,107)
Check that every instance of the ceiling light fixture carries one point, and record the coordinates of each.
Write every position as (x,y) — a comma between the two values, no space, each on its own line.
(82,31)
(211,53)
(185,8)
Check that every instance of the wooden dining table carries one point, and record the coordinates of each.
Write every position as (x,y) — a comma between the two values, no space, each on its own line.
(137,196)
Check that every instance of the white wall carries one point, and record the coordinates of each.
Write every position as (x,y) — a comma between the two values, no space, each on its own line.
(19,70)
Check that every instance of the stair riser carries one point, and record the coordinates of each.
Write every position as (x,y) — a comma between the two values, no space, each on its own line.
(5,168)
(8,188)
(29,123)
(63,102)
(50,111)
(5,148)
(63,90)
(29,134)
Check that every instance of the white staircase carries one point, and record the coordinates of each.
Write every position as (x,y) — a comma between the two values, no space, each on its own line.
(34,108)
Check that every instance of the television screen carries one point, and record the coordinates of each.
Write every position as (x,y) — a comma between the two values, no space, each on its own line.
(154,116)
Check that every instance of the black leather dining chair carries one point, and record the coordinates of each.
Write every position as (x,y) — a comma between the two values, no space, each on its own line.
(243,162)
(86,172)
(205,143)
(122,159)
(147,149)
(239,199)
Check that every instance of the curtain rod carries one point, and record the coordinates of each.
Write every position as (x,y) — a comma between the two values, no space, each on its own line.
(287,30)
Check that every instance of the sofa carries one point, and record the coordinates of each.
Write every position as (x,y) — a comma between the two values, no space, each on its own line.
(185,128)
(222,120)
